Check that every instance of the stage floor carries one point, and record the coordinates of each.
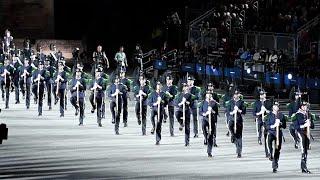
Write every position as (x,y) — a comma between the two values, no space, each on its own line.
(50,147)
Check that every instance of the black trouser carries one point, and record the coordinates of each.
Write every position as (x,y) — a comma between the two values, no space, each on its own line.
(304,143)
(26,91)
(154,113)
(179,116)
(293,133)
(236,135)
(116,115)
(38,97)
(259,128)
(265,134)
(73,101)
(125,107)
(7,91)
(49,91)
(103,109)
(61,95)
(275,153)
(209,137)
(16,89)
(195,120)
(144,116)
(97,106)
(169,110)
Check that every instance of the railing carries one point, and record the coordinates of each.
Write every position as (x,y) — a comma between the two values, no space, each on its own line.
(313,22)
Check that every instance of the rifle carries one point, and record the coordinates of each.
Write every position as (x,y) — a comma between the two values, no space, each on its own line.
(140,99)
(235,121)
(209,131)
(38,88)
(277,133)
(117,99)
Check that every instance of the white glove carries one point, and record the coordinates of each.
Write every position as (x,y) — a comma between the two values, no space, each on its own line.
(307,123)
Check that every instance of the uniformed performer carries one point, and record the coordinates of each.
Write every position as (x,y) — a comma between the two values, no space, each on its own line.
(303,122)
(25,81)
(171,91)
(215,98)
(183,101)
(39,76)
(229,89)
(60,87)
(115,93)
(141,92)
(49,82)
(16,77)
(127,83)
(235,109)
(195,91)
(261,108)
(97,96)
(275,122)
(6,73)
(157,100)
(78,88)
(105,79)
(208,111)
(293,107)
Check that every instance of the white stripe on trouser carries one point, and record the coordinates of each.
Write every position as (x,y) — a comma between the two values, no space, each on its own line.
(267,141)
(257,127)
(302,150)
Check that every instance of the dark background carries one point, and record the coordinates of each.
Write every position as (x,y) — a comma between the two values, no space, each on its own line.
(113,23)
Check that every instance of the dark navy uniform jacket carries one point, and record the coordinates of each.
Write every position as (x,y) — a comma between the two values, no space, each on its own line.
(82,87)
(112,90)
(300,119)
(51,71)
(271,119)
(257,107)
(153,98)
(99,92)
(8,68)
(145,89)
(62,84)
(28,76)
(16,71)
(42,73)
(173,92)
(230,108)
(294,107)
(126,82)
(204,108)
(178,99)
(196,95)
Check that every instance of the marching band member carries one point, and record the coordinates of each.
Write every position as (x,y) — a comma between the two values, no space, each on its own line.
(235,109)
(39,76)
(115,91)
(97,96)
(275,122)
(141,92)
(78,88)
(209,110)
(302,124)
(157,100)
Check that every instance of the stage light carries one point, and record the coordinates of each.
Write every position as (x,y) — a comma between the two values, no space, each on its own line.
(248,70)
(289,76)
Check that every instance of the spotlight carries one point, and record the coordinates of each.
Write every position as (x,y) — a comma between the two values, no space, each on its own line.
(248,70)
(289,76)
